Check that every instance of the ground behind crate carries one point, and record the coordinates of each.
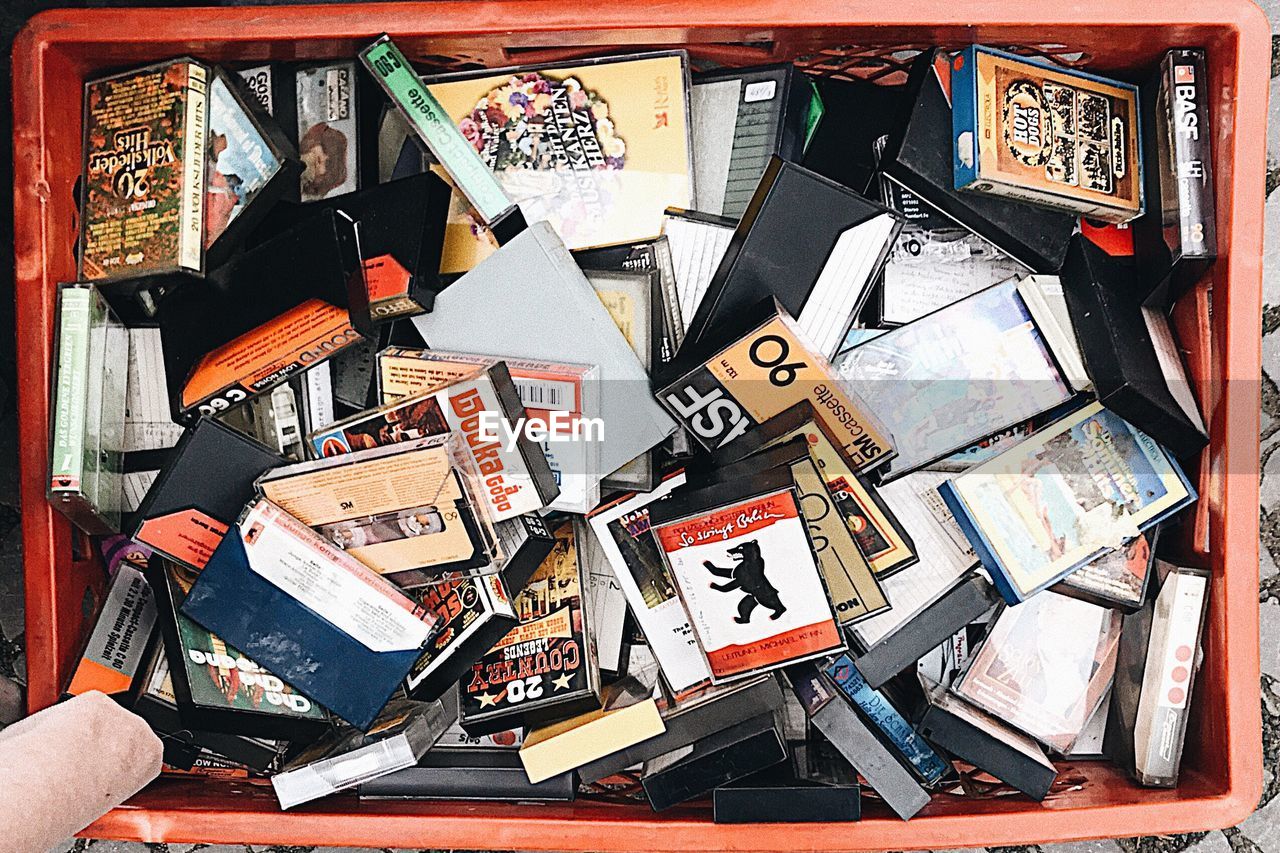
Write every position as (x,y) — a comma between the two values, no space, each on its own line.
(1261,832)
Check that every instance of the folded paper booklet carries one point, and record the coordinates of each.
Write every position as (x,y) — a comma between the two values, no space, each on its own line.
(1063,497)
(1045,667)
(413,506)
(608,605)
(743,562)
(309,612)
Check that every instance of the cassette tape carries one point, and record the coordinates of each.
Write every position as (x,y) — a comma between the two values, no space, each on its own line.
(270,312)
(336,114)
(141,204)
(200,492)
(401,735)
(882,539)
(217,689)
(917,155)
(252,164)
(1177,238)
(543,388)
(183,747)
(851,585)
(89,396)
(833,256)
(116,652)
(401,226)
(721,758)
(718,543)
(761,371)
(474,397)
(1036,132)
(544,668)
(411,506)
(473,774)
(352,636)
(622,181)
(742,117)
(272,86)
(856,742)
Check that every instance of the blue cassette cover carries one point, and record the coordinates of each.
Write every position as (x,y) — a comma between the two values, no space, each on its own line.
(1063,497)
(324,623)
(921,757)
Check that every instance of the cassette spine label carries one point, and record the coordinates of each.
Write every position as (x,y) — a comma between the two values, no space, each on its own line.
(192,221)
(69,415)
(391,69)
(924,761)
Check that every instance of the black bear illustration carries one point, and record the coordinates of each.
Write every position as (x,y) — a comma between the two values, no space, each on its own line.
(747,575)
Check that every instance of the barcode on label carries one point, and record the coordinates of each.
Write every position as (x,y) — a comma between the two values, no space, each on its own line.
(547,394)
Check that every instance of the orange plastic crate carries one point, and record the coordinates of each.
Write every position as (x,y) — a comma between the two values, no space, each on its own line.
(1222,776)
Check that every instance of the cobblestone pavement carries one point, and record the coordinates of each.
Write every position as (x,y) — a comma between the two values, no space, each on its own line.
(1261,832)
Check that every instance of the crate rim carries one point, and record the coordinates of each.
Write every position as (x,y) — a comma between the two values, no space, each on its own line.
(1235,417)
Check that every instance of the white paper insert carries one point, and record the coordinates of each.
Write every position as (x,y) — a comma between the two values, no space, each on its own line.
(338,588)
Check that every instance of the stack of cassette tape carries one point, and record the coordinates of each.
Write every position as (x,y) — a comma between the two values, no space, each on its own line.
(628,430)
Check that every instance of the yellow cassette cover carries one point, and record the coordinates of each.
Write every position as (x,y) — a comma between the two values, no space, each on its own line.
(599,149)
